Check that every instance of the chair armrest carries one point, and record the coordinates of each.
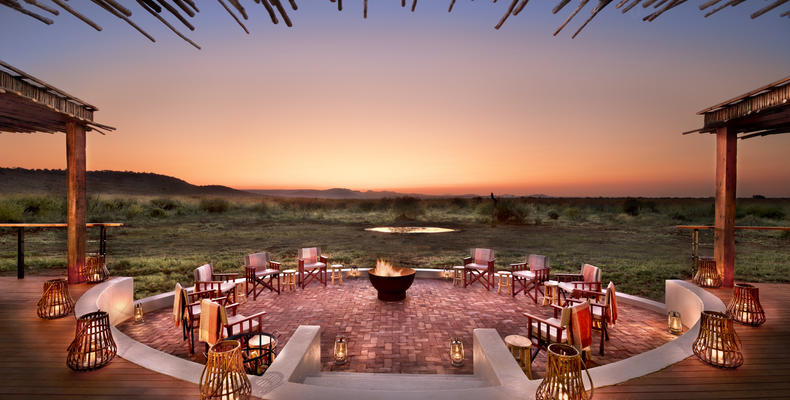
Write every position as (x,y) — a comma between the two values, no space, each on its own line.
(557,310)
(232,308)
(518,267)
(468,260)
(491,264)
(202,294)
(587,294)
(540,321)
(561,277)
(274,265)
(225,276)
(586,286)
(248,322)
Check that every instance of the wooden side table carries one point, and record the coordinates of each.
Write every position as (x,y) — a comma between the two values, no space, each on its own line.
(520,347)
(504,280)
(289,280)
(458,275)
(339,269)
(551,294)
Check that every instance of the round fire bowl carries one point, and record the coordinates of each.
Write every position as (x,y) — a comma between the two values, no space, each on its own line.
(392,288)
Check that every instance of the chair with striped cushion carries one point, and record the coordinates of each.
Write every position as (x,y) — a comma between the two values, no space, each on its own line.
(603,313)
(574,285)
(312,266)
(257,269)
(207,279)
(186,310)
(529,275)
(570,325)
(480,268)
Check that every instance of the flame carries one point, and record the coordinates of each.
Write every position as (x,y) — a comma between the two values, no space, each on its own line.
(384,268)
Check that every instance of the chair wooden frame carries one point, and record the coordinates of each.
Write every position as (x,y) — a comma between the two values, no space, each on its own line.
(539,342)
(245,324)
(580,286)
(258,278)
(484,276)
(308,275)
(532,281)
(190,321)
(217,279)
(600,322)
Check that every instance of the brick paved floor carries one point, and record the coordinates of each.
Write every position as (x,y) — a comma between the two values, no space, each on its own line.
(410,336)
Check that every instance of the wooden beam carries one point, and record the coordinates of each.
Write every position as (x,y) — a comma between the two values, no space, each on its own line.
(76,213)
(724,231)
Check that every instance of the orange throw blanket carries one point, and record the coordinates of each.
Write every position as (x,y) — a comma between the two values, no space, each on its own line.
(178,305)
(212,319)
(581,323)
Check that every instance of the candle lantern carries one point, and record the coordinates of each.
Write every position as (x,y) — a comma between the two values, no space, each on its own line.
(564,375)
(674,323)
(717,344)
(55,301)
(224,376)
(96,268)
(341,350)
(456,352)
(138,313)
(447,273)
(707,275)
(745,305)
(93,346)
(354,271)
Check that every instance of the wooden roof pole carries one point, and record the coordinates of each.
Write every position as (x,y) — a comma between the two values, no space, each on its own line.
(77,200)
(724,230)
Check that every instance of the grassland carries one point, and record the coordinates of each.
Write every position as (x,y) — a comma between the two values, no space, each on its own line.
(634,240)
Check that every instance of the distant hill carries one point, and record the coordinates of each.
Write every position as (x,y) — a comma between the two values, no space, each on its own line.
(342,193)
(41,181)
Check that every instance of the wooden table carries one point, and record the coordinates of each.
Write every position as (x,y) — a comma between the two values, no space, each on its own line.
(20,239)
(520,347)
(289,280)
(551,294)
(339,269)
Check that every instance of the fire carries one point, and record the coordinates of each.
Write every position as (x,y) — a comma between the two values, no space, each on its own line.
(384,268)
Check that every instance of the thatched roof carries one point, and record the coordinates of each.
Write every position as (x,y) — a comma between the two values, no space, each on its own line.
(760,112)
(183,10)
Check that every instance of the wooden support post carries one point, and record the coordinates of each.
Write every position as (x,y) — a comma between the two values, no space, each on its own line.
(20,253)
(724,230)
(76,214)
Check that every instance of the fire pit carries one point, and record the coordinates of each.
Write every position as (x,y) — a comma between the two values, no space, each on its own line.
(391,282)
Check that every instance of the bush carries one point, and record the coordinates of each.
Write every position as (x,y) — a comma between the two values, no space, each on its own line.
(765,212)
(214,205)
(408,207)
(553,215)
(510,212)
(165,203)
(157,212)
(11,211)
(632,206)
(574,214)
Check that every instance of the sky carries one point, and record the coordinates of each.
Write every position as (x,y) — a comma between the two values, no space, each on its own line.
(426,102)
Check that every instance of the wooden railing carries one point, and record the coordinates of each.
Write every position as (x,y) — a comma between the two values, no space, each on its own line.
(696,228)
(20,232)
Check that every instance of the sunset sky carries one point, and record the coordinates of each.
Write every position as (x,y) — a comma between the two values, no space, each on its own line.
(425,102)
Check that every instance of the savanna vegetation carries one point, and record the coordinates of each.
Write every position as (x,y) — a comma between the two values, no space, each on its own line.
(634,240)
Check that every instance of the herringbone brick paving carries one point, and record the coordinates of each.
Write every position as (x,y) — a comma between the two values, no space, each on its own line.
(410,336)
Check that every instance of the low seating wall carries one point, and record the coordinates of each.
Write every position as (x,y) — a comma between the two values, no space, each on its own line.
(493,363)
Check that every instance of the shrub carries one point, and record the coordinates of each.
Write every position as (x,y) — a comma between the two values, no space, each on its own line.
(11,211)
(157,212)
(553,215)
(214,205)
(574,214)
(765,212)
(632,206)
(510,212)
(166,204)
(408,207)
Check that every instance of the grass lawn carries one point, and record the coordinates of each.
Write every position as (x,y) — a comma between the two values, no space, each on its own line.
(162,243)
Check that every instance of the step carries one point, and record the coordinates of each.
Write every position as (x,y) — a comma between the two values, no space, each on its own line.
(395,382)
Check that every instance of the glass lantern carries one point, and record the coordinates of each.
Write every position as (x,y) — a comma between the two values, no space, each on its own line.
(138,312)
(456,352)
(674,323)
(341,350)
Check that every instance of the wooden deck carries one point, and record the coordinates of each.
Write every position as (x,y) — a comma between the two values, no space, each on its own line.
(33,355)
(765,372)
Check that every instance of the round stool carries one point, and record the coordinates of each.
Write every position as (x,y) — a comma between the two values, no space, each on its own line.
(289,280)
(504,280)
(458,275)
(339,269)
(551,294)
(520,347)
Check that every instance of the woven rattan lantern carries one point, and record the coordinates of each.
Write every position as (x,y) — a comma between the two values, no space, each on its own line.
(456,352)
(96,268)
(717,344)
(55,301)
(564,375)
(674,324)
(341,350)
(707,275)
(745,305)
(224,376)
(93,346)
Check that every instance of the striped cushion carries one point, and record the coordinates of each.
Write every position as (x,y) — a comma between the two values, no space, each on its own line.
(482,256)
(591,273)
(548,333)
(309,255)
(476,266)
(536,261)
(203,273)
(314,265)
(257,260)
(524,274)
